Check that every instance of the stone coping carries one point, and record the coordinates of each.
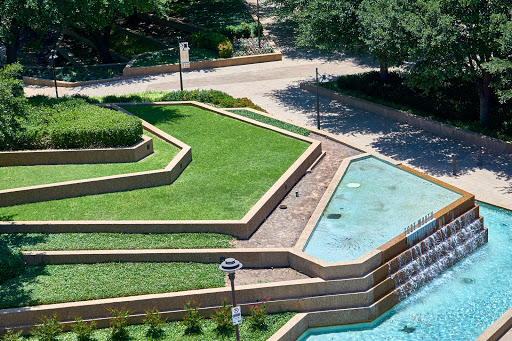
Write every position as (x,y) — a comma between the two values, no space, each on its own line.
(106,184)
(133,153)
(242,228)
(130,71)
(498,329)
(438,128)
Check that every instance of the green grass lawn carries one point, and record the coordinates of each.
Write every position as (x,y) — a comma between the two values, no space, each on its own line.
(115,241)
(21,176)
(173,331)
(233,165)
(271,121)
(48,284)
(170,56)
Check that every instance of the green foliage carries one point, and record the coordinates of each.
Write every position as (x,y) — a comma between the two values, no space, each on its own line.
(76,73)
(49,328)
(212,97)
(259,314)
(13,105)
(222,317)
(130,45)
(118,323)
(153,320)
(212,40)
(192,320)
(82,329)
(170,56)
(72,123)
(272,121)
(11,335)
(242,30)
(11,262)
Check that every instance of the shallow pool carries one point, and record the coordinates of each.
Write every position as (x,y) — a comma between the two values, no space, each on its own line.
(371,205)
(458,305)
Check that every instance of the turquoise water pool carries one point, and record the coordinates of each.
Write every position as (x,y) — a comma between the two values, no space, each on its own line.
(460,304)
(371,205)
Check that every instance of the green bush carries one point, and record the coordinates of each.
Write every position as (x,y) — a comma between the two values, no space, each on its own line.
(225,49)
(118,323)
(192,320)
(49,328)
(222,317)
(11,262)
(72,123)
(153,320)
(11,335)
(243,30)
(82,329)
(13,105)
(211,40)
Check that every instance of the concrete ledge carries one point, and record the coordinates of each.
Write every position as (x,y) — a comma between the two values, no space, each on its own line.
(438,128)
(206,64)
(77,156)
(108,184)
(498,329)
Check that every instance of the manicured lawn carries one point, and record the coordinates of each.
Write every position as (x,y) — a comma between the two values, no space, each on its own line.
(114,241)
(233,165)
(20,176)
(173,331)
(76,282)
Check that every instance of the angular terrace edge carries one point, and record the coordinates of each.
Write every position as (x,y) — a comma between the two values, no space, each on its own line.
(107,184)
(133,153)
(243,228)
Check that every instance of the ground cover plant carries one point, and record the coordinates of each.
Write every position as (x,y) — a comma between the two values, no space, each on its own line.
(21,176)
(214,98)
(234,164)
(272,121)
(113,241)
(129,45)
(170,56)
(449,104)
(250,46)
(46,284)
(172,331)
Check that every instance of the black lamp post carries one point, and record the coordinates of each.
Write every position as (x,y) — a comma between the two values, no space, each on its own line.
(258,27)
(230,265)
(53,56)
(179,54)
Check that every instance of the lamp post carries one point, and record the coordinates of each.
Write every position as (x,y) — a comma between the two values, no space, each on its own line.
(258,27)
(53,56)
(230,265)
(318,99)
(179,53)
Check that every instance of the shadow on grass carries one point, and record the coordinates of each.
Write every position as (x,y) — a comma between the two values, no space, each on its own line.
(157,114)
(13,291)
(18,240)
(9,217)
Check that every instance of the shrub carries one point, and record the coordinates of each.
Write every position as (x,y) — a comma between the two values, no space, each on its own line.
(11,335)
(11,262)
(222,317)
(243,30)
(192,320)
(13,105)
(259,314)
(49,328)
(83,329)
(213,41)
(153,320)
(72,123)
(118,323)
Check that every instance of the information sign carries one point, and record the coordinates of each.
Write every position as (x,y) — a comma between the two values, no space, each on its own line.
(236,313)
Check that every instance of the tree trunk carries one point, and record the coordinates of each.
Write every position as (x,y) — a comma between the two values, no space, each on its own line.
(483,94)
(101,39)
(11,51)
(384,72)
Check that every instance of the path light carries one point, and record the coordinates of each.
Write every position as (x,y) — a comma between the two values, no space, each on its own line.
(53,56)
(258,27)
(230,265)
(318,99)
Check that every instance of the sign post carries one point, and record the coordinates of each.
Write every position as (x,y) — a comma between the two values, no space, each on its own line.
(184,58)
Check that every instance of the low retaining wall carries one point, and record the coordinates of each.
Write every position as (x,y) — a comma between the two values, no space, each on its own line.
(77,156)
(130,71)
(438,128)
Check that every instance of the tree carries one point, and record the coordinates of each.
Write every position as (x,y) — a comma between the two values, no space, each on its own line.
(383,32)
(323,24)
(15,15)
(95,18)
(455,39)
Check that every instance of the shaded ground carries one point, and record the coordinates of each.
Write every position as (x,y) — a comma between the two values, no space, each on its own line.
(257,276)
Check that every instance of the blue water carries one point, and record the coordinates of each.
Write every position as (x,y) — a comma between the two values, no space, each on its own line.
(458,305)
(372,204)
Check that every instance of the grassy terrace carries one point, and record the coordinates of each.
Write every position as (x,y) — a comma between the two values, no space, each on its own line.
(114,241)
(21,176)
(48,284)
(233,165)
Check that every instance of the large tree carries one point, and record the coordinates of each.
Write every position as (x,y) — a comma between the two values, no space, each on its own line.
(455,39)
